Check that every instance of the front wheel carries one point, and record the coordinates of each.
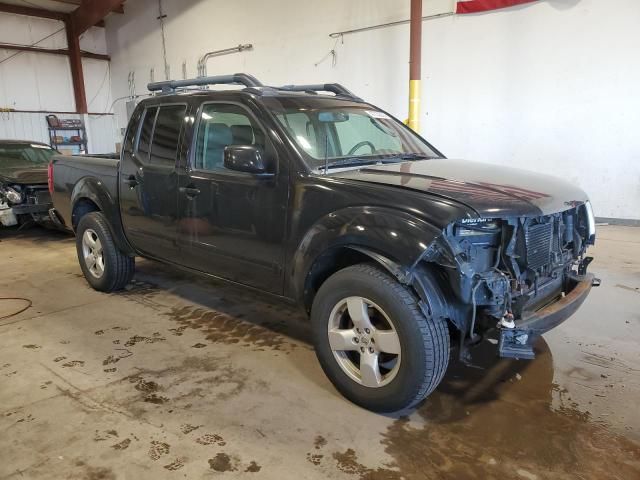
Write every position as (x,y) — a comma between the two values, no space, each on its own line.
(104,266)
(373,341)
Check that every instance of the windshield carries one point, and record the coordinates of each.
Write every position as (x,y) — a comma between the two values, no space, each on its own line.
(18,155)
(345,134)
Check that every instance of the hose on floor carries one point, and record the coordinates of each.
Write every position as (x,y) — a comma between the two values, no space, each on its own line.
(29,303)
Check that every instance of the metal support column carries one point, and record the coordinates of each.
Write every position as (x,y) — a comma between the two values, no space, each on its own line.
(415,64)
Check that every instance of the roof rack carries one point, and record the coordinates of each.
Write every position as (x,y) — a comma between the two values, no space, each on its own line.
(251,82)
(335,88)
(170,86)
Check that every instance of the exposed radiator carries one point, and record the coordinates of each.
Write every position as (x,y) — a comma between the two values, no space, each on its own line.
(538,240)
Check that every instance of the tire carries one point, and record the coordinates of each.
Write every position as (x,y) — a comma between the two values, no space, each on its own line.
(422,342)
(109,269)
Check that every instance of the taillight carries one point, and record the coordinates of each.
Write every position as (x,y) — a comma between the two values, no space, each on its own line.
(50,177)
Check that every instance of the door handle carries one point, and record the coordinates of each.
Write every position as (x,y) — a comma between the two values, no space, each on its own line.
(131,181)
(189,191)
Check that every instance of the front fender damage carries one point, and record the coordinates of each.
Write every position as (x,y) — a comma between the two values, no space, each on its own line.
(498,274)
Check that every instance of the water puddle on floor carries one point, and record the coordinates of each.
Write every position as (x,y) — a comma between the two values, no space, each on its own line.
(507,419)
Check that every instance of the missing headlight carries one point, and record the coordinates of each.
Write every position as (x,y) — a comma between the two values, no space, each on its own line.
(480,227)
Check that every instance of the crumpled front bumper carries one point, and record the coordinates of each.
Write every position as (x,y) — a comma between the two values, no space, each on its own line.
(518,342)
(26,208)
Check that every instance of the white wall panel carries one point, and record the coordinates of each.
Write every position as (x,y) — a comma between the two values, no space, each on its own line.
(549,87)
(33,126)
(102,133)
(37,81)
(97,81)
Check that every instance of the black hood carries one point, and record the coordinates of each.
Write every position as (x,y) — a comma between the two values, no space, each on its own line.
(490,190)
(24,175)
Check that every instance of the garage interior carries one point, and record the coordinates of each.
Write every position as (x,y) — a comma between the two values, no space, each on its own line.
(180,375)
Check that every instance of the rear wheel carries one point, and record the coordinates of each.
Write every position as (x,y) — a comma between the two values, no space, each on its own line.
(373,341)
(104,266)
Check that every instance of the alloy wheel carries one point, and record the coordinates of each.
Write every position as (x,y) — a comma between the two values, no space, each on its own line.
(92,253)
(364,342)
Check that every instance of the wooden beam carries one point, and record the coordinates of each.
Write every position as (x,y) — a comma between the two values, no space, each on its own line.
(75,62)
(77,3)
(69,2)
(52,51)
(91,12)
(31,11)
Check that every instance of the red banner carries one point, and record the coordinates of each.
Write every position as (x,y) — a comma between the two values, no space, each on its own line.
(475,6)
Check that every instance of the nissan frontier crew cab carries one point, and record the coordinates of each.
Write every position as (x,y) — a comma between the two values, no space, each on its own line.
(311,194)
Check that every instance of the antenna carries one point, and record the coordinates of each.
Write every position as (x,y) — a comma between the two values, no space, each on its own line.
(326,149)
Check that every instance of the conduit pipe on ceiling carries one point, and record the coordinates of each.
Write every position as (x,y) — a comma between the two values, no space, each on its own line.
(202,62)
(388,24)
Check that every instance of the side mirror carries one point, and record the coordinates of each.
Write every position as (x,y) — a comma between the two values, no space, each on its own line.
(244,158)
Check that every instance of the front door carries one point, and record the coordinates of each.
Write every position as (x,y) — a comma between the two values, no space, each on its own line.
(149,181)
(232,223)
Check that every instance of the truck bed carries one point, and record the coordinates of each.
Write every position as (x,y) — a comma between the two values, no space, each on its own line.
(74,173)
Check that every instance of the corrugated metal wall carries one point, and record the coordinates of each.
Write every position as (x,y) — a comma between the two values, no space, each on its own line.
(101,129)
(37,81)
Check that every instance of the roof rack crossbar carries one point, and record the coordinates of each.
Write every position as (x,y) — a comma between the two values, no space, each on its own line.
(321,87)
(169,86)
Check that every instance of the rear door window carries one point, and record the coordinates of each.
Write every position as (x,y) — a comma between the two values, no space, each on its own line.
(166,134)
(144,142)
(132,130)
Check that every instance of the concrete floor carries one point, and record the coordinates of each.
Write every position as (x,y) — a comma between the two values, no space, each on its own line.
(181,377)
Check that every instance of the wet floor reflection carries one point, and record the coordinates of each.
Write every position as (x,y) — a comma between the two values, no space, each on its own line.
(501,419)
(507,419)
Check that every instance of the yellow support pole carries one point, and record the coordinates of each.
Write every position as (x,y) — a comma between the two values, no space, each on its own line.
(414,105)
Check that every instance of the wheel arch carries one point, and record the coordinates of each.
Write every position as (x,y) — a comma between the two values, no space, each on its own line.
(392,239)
(337,258)
(90,195)
(81,207)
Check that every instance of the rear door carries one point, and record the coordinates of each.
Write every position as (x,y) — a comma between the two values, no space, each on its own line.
(149,180)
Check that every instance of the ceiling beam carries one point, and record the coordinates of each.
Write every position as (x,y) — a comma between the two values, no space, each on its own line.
(77,3)
(52,51)
(69,2)
(31,11)
(91,12)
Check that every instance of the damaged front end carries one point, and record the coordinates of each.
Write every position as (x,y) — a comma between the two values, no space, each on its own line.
(23,202)
(522,275)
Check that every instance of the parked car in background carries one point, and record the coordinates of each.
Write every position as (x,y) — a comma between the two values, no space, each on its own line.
(24,194)
(331,203)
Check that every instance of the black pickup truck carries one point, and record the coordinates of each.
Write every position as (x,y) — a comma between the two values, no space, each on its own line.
(315,196)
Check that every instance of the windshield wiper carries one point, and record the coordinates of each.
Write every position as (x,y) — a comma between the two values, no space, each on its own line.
(357,162)
(349,162)
(412,156)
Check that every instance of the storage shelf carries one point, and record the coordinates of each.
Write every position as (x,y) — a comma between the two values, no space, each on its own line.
(56,140)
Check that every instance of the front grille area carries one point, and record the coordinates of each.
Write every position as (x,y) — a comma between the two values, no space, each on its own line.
(43,196)
(538,240)
(36,195)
